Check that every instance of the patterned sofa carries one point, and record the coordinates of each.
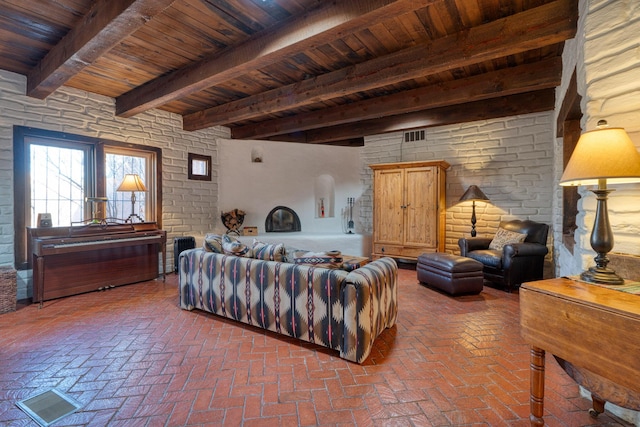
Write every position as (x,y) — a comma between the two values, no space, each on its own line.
(341,310)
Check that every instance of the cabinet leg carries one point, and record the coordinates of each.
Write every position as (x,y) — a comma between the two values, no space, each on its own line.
(536,400)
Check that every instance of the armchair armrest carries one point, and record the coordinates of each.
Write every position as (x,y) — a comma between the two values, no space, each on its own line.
(472,244)
(521,250)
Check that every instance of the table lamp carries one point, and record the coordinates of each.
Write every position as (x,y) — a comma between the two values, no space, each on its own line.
(602,155)
(133,183)
(474,194)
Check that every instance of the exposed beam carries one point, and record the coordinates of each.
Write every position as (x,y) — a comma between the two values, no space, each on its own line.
(548,24)
(532,102)
(105,25)
(329,21)
(524,78)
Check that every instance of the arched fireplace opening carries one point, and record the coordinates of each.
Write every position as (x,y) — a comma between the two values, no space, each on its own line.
(282,219)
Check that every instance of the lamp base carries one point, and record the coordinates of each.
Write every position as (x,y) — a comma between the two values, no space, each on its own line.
(602,276)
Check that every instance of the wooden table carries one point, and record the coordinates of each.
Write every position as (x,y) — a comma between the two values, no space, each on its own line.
(590,326)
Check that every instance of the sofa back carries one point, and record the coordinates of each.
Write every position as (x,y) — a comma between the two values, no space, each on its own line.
(300,301)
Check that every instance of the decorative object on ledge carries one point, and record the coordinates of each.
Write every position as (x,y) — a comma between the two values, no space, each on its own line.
(133,183)
(602,155)
(233,220)
(199,167)
(473,194)
(250,231)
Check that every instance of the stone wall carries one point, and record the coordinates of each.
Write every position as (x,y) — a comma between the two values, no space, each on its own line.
(607,58)
(188,206)
(510,159)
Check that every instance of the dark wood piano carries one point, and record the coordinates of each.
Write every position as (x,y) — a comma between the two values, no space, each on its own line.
(72,260)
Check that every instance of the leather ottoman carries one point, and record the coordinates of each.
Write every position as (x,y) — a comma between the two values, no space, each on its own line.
(453,274)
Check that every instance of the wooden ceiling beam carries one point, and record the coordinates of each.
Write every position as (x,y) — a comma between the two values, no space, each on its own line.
(329,21)
(105,25)
(548,24)
(531,102)
(524,78)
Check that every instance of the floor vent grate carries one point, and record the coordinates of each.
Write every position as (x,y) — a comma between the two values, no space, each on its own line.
(48,407)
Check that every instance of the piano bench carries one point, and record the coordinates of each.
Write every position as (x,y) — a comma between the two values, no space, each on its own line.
(453,274)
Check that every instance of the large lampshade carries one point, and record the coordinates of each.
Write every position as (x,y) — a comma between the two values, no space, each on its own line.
(605,155)
(132,182)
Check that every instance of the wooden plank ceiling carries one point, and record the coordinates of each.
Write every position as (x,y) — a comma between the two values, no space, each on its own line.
(308,71)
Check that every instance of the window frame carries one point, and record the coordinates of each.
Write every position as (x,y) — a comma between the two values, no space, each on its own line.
(96,185)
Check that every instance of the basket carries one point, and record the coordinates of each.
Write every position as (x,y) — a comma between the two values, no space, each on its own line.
(8,290)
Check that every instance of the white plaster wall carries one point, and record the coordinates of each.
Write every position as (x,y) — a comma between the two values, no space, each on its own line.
(291,175)
(188,206)
(511,159)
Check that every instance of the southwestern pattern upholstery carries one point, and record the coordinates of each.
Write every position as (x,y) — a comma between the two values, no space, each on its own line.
(344,311)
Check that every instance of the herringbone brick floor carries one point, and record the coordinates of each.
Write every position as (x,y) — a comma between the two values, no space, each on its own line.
(132,357)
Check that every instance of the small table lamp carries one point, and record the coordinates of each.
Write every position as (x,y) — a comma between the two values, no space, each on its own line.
(133,183)
(474,194)
(602,155)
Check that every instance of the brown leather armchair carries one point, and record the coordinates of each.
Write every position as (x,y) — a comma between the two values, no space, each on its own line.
(516,263)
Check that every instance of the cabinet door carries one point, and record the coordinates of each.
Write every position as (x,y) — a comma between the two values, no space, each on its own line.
(387,204)
(421,201)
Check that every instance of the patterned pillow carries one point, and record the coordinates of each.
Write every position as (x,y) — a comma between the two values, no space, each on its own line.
(332,259)
(268,252)
(505,237)
(213,243)
(233,246)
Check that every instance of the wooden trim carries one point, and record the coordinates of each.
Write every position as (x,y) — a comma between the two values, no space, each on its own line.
(193,160)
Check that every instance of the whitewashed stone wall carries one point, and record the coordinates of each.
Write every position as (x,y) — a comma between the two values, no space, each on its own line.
(606,54)
(188,206)
(510,159)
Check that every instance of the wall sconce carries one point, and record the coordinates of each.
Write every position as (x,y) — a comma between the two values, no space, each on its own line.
(474,194)
(601,155)
(133,183)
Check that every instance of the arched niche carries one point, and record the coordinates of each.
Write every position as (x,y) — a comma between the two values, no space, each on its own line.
(325,194)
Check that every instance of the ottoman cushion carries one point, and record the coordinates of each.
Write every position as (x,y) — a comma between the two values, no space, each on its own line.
(453,274)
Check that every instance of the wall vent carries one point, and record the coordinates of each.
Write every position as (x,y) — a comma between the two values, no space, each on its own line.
(415,135)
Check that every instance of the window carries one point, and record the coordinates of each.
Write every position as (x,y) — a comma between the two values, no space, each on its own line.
(76,180)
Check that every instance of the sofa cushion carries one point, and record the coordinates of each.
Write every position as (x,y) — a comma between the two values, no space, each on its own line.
(505,237)
(268,252)
(488,257)
(232,246)
(213,243)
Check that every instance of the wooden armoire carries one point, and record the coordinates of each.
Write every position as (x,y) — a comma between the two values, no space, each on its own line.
(408,208)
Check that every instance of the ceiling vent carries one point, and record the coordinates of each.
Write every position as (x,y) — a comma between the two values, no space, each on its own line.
(415,135)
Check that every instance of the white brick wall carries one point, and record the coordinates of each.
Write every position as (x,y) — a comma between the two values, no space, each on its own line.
(606,53)
(189,207)
(510,159)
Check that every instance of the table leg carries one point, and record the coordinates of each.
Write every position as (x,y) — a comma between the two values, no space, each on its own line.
(536,400)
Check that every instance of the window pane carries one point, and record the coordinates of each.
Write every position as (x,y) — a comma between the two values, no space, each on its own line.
(119,204)
(57,184)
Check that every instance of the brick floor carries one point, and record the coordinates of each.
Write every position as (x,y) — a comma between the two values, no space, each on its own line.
(132,357)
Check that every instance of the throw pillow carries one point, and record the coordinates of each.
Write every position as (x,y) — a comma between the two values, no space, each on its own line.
(505,237)
(232,246)
(268,252)
(331,259)
(213,243)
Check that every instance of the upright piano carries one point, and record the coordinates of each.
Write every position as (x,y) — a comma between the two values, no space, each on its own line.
(71,260)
